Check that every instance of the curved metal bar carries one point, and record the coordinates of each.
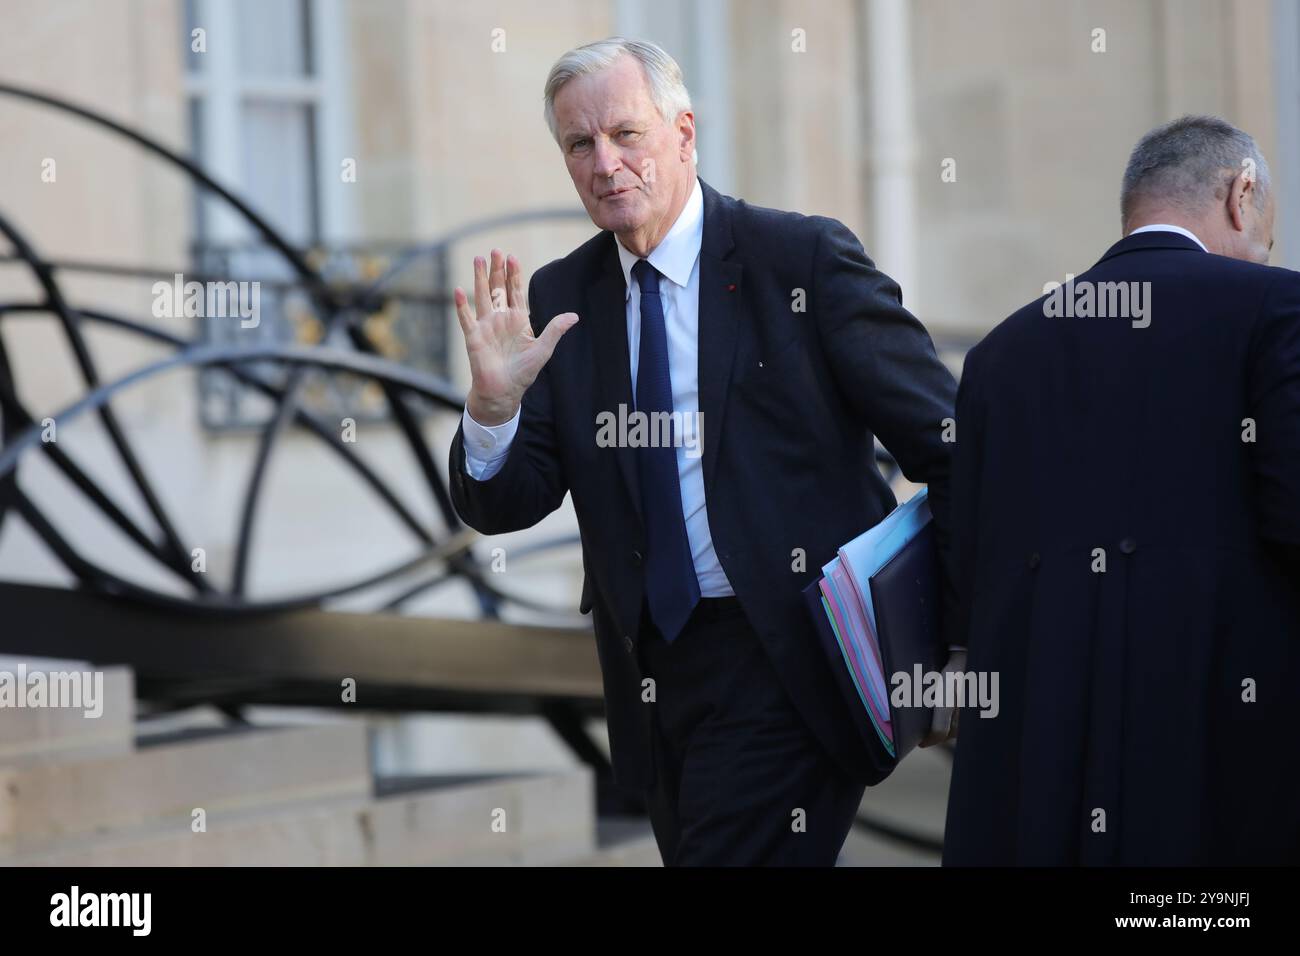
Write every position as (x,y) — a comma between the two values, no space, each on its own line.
(14,410)
(442,242)
(395,604)
(432,473)
(86,364)
(537,547)
(273,391)
(460,560)
(476,575)
(566,618)
(313,279)
(8,483)
(319,292)
(333,308)
(87,572)
(403,416)
(333,359)
(108,583)
(353,292)
(261,462)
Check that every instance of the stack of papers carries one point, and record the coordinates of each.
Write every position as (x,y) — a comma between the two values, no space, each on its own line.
(847,601)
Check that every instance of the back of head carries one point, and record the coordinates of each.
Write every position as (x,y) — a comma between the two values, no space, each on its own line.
(1198,172)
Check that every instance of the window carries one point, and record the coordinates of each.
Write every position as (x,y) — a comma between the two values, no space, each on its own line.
(254,105)
(268,119)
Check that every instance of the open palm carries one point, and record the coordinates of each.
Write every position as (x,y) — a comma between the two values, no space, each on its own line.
(504,355)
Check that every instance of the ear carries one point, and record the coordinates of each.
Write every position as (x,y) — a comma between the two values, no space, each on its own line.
(1241,192)
(686,134)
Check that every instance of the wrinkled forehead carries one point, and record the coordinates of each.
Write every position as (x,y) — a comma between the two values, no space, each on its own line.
(616,96)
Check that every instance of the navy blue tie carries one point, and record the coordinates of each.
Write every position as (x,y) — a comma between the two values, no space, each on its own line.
(672,589)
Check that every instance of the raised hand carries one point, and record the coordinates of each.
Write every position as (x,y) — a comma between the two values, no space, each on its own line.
(504,355)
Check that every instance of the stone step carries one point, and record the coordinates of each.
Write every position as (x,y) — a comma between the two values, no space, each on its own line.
(540,818)
(34,735)
(547,818)
(45,806)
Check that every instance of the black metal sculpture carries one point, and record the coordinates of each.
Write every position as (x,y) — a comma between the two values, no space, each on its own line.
(339,308)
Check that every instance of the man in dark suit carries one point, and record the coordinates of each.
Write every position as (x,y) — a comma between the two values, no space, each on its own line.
(1126,524)
(764,350)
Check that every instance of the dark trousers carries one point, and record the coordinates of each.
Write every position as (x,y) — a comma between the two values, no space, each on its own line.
(740,780)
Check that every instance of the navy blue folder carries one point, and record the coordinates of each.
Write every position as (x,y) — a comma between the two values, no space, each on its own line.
(905,592)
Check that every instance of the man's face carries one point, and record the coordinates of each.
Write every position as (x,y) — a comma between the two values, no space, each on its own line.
(631,167)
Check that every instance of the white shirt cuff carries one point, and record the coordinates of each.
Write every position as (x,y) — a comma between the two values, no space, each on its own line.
(486,446)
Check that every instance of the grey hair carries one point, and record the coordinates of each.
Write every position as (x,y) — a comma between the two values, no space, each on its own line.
(1189,163)
(667,90)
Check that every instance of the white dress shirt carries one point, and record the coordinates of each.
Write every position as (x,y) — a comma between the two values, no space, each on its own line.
(677,258)
(1164,227)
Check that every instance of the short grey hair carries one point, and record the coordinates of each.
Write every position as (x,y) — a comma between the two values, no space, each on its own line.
(1190,163)
(662,73)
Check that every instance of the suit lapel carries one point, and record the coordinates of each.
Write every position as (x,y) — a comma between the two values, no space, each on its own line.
(607,308)
(720,288)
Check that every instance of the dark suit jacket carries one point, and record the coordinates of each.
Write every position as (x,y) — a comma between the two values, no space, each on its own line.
(1122,690)
(790,401)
